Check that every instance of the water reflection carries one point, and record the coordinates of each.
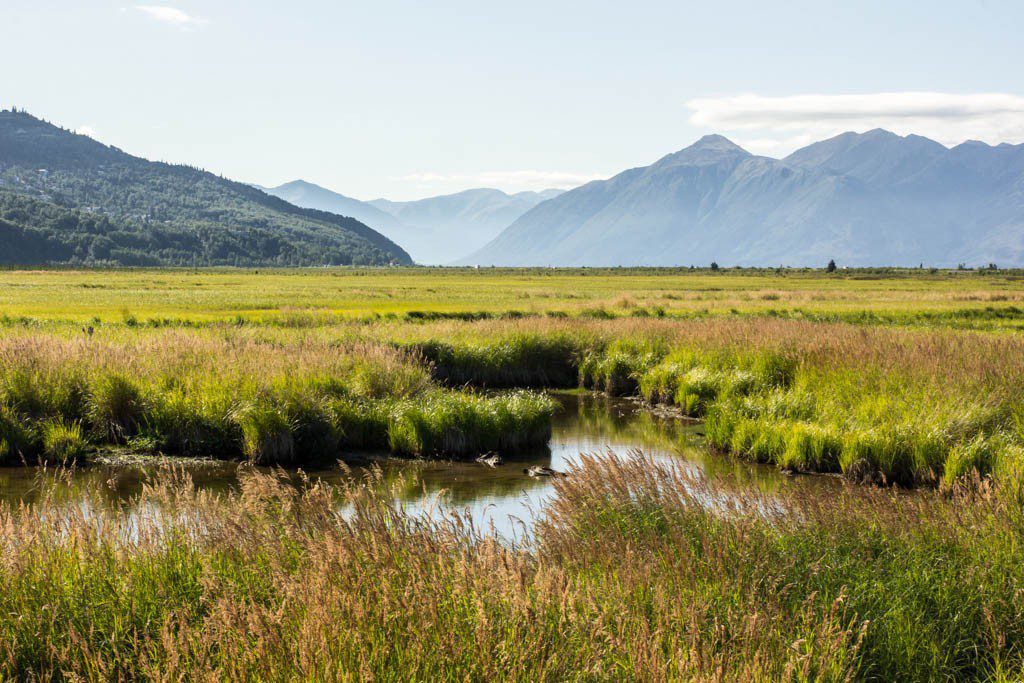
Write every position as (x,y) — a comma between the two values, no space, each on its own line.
(502,496)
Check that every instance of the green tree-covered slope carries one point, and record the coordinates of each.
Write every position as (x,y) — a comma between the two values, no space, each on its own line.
(65,198)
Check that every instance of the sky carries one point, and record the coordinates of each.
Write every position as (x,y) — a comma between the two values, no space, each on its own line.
(411,99)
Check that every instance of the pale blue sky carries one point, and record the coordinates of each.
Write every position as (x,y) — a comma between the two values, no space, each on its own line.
(406,99)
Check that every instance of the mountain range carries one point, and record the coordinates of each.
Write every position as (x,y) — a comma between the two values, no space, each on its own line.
(863,199)
(68,199)
(435,230)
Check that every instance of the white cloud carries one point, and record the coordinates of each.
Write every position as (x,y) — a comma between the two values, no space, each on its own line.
(513,180)
(169,15)
(786,123)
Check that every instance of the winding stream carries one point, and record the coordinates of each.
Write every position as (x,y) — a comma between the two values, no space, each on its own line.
(502,496)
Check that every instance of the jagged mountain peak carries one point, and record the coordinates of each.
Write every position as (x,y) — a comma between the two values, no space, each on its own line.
(710,149)
(712,144)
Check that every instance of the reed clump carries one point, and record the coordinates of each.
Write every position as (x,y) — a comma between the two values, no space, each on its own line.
(470,423)
(514,360)
(616,367)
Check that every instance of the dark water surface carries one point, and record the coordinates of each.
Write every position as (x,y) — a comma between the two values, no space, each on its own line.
(503,496)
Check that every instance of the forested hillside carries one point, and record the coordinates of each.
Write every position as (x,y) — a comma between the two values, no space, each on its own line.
(65,198)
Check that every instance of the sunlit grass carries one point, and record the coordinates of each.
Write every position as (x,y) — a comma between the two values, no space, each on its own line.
(235,394)
(639,571)
(906,405)
(244,363)
(325,296)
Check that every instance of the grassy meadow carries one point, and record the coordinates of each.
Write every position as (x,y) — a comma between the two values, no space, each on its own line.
(910,377)
(637,571)
(325,296)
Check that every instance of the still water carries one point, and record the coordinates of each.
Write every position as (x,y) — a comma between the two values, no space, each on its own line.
(502,496)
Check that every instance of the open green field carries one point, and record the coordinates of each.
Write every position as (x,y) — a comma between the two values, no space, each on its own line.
(889,380)
(331,295)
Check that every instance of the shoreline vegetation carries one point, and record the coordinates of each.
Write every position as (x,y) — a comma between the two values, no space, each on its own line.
(273,403)
(911,407)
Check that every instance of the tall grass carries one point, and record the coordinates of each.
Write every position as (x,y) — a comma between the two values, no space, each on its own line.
(857,584)
(515,360)
(639,572)
(468,423)
(287,401)
(906,406)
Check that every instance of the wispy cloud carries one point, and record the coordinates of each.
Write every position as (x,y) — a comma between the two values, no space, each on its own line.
(785,123)
(170,15)
(508,180)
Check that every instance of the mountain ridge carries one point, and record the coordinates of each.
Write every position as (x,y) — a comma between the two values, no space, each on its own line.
(872,198)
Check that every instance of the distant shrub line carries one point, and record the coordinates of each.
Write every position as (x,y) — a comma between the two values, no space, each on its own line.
(964,318)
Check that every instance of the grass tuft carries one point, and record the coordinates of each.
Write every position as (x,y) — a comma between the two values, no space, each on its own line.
(116,407)
(63,442)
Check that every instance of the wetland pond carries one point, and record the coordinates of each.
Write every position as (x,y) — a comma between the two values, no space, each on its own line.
(503,497)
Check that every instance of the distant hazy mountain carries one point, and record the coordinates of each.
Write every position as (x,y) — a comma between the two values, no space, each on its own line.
(435,230)
(310,196)
(65,198)
(878,157)
(862,199)
(451,226)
